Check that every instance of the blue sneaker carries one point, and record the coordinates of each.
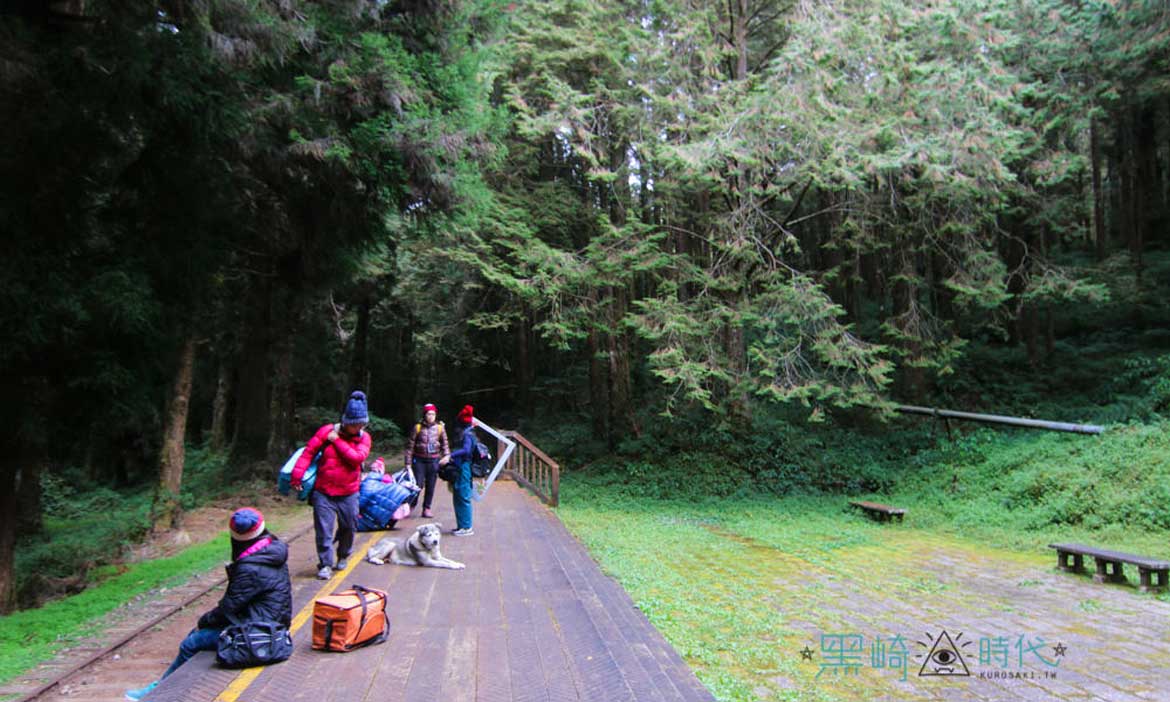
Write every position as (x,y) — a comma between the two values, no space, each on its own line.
(135,695)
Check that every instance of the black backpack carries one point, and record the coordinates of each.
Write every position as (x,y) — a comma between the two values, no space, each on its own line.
(482,462)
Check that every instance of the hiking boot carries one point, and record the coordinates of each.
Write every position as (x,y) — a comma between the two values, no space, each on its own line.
(342,563)
(135,695)
(427,513)
(463,532)
(325,573)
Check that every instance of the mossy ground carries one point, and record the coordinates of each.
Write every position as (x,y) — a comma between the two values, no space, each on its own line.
(740,586)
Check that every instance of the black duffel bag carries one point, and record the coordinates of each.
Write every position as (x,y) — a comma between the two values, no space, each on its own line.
(253,643)
(449,473)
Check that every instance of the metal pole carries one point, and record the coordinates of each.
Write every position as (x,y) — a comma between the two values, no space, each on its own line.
(1001,419)
(500,462)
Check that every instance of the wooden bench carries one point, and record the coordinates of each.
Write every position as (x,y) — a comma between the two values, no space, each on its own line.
(1151,572)
(879,511)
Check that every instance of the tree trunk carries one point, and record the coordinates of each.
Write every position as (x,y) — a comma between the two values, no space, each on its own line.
(1028,330)
(1127,171)
(166,512)
(739,33)
(944,297)
(1145,179)
(524,371)
(1099,235)
(9,464)
(252,405)
(1049,332)
(359,370)
(219,407)
(735,346)
(280,411)
(30,512)
(408,387)
(911,375)
(598,386)
(852,285)
(621,412)
(21,444)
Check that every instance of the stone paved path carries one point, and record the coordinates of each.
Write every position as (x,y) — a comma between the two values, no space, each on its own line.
(1023,630)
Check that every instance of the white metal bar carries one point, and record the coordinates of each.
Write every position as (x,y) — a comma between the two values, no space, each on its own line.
(478,495)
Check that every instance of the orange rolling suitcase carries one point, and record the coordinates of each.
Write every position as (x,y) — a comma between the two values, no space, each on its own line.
(350,619)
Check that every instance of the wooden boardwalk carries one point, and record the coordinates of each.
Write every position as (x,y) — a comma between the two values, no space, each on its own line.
(531,618)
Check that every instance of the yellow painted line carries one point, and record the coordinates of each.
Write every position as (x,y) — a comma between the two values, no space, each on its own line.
(248,676)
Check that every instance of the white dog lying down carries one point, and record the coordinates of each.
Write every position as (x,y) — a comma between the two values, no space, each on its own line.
(421,549)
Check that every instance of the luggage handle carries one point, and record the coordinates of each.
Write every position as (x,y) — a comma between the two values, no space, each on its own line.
(238,623)
(359,589)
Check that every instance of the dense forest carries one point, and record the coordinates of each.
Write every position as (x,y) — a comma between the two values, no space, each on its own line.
(220,216)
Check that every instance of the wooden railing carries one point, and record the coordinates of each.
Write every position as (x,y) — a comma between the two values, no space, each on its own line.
(533,469)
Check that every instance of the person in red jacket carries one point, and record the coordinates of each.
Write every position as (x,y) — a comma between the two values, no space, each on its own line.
(343,448)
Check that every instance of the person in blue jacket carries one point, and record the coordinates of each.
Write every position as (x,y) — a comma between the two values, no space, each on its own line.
(461,487)
(258,589)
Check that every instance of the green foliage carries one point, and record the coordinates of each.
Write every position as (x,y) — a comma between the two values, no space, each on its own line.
(89,529)
(1113,486)
(31,636)
(84,530)
(691,457)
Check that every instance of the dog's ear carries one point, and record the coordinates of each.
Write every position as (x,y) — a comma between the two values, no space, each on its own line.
(439,526)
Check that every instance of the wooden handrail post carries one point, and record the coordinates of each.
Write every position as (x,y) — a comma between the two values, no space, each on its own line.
(533,469)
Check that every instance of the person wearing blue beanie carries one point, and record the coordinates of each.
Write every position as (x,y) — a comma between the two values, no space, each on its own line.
(343,447)
(355,410)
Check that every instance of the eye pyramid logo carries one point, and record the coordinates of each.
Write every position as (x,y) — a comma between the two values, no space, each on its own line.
(944,657)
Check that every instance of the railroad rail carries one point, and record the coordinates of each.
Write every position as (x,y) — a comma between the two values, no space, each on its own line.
(127,638)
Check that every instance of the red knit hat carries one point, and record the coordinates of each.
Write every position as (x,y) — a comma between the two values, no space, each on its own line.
(428,407)
(467,414)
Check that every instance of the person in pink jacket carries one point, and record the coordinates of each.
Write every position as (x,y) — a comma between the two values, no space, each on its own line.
(343,447)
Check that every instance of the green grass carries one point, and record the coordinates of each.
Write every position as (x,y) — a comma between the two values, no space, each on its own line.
(994,496)
(1027,490)
(32,636)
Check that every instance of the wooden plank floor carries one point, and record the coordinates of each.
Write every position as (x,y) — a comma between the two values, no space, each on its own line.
(531,618)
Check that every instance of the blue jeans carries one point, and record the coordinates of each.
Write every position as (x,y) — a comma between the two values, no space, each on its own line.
(198,640)
(462,496)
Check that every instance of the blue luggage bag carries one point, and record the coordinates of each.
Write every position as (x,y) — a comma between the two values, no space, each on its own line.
(378,500)
(284,479)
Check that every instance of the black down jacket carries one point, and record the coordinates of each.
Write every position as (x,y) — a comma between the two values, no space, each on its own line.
(258,589)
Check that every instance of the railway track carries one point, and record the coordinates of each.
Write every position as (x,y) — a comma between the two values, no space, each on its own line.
(39,683)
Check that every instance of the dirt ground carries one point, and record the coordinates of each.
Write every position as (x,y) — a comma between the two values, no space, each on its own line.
(202,524)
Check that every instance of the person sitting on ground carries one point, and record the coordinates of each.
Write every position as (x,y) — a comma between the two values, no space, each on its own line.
(425,447)
(344,448)
(258,590)
(461,486)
